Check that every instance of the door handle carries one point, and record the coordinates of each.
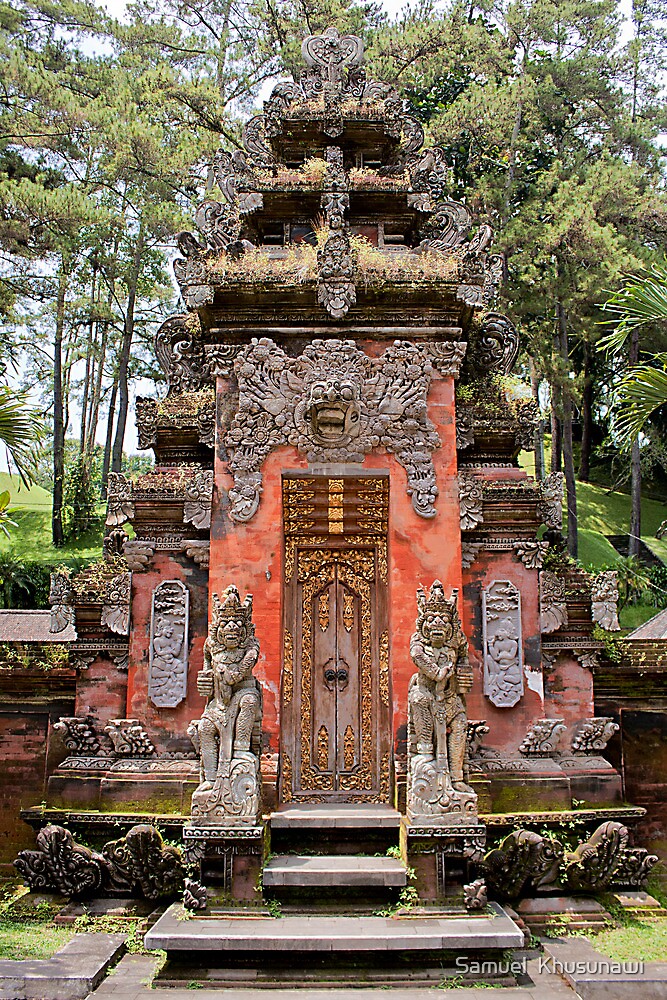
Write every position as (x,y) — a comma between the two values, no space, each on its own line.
(330,676)
(342,677)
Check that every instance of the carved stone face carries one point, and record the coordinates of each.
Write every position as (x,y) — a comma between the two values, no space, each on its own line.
(232,633)
(436,629)
(333,410)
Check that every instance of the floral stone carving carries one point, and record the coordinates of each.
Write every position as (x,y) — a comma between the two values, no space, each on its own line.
(470,501)
(531,553)
(503,649)
(168,665)
(594,734)
(604,600)
(120,507)
(543,737)
(228,735)
(437,793)
(335,404)
(195,896)
(60,598)
(553,606)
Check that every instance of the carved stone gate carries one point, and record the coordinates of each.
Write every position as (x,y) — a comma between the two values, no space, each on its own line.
(335,716)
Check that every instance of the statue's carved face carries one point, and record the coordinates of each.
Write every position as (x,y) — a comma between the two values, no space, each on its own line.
(333,410)
(232,633)
(436,629)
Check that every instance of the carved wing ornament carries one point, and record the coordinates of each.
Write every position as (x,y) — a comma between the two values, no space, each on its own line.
(335,404)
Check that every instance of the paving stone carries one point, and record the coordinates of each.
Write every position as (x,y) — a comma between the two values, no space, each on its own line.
(70,974)
(333,870)
(323,817)
(596,977)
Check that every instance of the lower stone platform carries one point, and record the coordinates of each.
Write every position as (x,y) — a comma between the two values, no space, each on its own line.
(494,929)
(332,948)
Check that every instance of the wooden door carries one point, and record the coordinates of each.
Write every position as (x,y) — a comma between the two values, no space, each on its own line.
(335,728)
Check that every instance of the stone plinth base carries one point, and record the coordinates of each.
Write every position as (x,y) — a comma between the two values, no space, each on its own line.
(431,797)
(229,857)
(441,856)
(234,798)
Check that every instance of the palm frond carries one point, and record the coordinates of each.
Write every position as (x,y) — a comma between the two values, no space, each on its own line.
(641,391)
(20,429)
(642,299)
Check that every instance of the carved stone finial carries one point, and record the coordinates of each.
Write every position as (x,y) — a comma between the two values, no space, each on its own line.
(335,275)
(470,501)
(604,600)
(62,865)
(78,734)
(550,507)
(475,895)
(503,651)
(198,500)
(228,735)
(592,865)
(113,543)
(437,792)
(553,605)
(195,896)
(446,356)
(523,859)
(475,734)
(120,507)
(129,738)
(168,665)
(531,553)
(588,658)
(592,735)
(543,737)
(60,599)
(496,347)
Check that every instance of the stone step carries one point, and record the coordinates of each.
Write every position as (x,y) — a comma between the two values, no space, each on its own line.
(339,816)
(492,930)
(296,871)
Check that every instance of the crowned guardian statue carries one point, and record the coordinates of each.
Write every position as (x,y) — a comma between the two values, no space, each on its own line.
(437,721)
(228,735)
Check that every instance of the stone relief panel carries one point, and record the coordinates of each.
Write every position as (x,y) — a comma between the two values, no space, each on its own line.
(335,404)
(503,650)
(168,665)
(553,605)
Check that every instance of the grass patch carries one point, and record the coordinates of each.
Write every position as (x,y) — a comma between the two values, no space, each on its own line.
(35,939)
(635,941)
(31,539)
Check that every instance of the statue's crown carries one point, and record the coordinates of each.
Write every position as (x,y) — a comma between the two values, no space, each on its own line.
(230,606)
(437,602)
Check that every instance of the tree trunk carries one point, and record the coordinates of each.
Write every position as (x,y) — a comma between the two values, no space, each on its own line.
(57,533)
(568,453)
(556,432)
(539,430)
(106,461)
(126,348)
(635,470)
(586,416)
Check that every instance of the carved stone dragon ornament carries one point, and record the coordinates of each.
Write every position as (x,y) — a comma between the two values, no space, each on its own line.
(335,404)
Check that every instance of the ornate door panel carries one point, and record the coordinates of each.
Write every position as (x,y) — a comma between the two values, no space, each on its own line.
(335,721)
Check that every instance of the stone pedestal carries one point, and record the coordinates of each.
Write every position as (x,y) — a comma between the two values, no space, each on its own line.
(226,857)
(441,856)
(432,800)
(234,799)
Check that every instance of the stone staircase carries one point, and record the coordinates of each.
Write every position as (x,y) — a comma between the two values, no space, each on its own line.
(332,915)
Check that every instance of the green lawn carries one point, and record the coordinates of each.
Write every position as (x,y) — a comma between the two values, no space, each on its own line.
(605,512)
(19,939)
(30,509)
